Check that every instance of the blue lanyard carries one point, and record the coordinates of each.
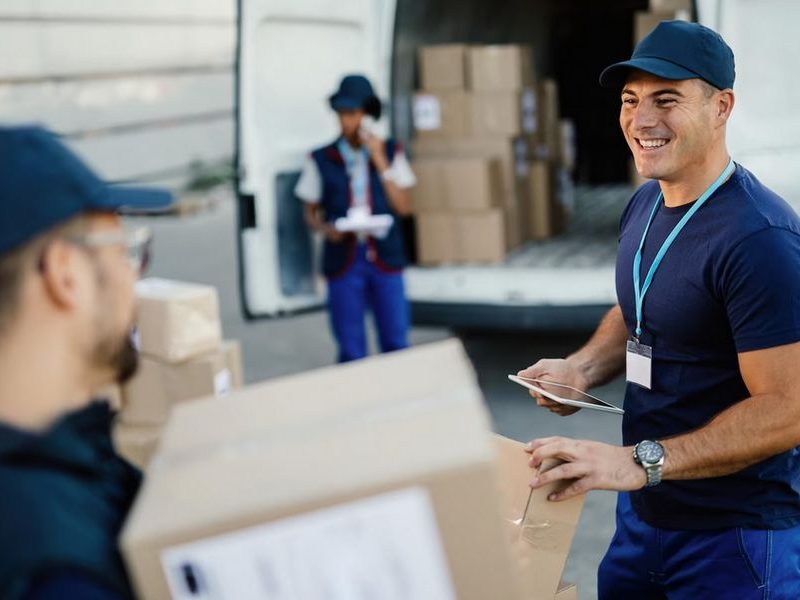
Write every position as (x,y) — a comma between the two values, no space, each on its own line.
(358,181)
(640,291)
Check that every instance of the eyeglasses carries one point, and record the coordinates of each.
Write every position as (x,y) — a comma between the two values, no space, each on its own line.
(137,242)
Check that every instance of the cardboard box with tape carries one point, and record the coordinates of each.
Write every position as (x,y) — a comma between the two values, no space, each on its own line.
(442,114)
(158,386)
(500,67)
(176,320)
(540,531)
(243,491)
(443,67)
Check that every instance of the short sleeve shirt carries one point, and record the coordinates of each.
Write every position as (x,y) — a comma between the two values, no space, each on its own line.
(730,283)
(309,186)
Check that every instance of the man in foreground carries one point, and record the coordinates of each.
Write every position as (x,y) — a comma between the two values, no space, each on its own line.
(67,269)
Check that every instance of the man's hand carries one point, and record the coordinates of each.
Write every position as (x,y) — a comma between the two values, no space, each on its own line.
(331,233)
(594,466)
(557,370)
(376,149)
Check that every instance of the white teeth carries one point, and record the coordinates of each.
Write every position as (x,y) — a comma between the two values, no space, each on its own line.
(652,143)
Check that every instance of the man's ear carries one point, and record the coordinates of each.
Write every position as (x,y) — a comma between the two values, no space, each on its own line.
(58,268)
(724,104)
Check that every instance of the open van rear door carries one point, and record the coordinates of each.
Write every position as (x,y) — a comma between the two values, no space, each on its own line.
(291,55)
(764,131)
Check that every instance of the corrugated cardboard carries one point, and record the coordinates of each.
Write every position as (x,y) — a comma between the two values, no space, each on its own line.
(499,148)
(567,591)
(111,394)
(458,184)
(481,236)
(500,67)
(177,320)
(157,386)
(537,201)
(436,238)
(442,114)
(332,439)
(540,531)
(443,67)
(670,5)
(136,443)
(550,118)
(645,22)
(505,113)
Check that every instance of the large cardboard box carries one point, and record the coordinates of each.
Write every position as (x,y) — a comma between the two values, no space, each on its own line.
(328,484)
(481,236)
(176,320)
(550,118)
(505,113)
(442,114)
(458,184)
(500,67)
(149,397)
(136,443)
(536,199)
(671,5)
(540,531)
(443,67)
(436,238)
(645,21)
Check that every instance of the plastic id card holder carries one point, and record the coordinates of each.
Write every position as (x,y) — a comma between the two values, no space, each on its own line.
(639,364)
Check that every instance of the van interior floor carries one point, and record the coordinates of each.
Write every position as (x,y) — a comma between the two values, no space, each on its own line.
(590,239)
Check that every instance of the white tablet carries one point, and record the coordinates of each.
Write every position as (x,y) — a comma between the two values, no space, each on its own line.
(565,394)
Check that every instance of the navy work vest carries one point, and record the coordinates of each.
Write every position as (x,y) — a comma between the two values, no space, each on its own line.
(387,254)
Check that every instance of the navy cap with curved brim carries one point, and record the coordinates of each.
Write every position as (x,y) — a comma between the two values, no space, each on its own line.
(678,50)
(45,184)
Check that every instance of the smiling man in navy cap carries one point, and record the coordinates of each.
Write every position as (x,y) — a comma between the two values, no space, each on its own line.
(67,269)
(707,331)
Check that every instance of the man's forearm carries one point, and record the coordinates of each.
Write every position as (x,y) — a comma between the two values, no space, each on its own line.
(603,356)
(398,198)
(744,434)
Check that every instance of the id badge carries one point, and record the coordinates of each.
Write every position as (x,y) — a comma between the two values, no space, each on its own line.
(639,363)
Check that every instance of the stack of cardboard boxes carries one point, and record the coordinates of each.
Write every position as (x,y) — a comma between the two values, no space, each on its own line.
(660,10)
(332,484)
(644,22)
(486,138)
(182,357)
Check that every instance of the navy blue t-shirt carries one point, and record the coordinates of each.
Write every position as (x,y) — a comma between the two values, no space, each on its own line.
(729,283)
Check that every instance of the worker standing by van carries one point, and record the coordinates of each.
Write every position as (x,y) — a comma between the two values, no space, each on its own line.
(357,177)
(707,330)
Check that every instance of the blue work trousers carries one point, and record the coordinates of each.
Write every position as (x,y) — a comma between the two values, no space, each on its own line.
(648,563)
(365,286)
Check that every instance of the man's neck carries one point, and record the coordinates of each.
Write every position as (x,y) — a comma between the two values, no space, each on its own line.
(40,380)
(690,187)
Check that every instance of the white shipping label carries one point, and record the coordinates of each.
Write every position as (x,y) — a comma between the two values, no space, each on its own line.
(427,113)
(223,382)
(530,117)
(385,547)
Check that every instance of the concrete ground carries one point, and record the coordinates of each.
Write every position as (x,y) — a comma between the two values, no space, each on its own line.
(202,248)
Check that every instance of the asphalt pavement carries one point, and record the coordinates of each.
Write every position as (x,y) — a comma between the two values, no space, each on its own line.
(202,248)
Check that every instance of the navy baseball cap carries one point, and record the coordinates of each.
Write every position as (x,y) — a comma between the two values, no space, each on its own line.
(43,184)
(678,50)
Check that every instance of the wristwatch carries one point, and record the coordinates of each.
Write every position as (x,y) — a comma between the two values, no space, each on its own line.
(650,455)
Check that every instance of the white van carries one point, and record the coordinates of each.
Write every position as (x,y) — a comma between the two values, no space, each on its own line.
(292,53)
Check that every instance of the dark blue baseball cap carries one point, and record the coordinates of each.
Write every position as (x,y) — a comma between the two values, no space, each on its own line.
(355,93)
(678,50)
(43,184)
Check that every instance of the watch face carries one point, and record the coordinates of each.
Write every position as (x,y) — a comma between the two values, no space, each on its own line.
(650,452)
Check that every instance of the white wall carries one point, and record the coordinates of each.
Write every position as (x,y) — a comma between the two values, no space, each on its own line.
(140,88)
